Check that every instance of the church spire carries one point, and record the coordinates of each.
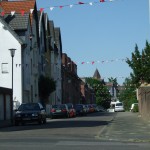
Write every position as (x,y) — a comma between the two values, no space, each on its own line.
(97,75)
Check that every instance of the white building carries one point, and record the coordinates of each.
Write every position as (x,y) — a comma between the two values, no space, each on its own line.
(25,39)
(9,39)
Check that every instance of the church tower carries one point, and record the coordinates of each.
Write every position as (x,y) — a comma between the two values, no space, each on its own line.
(97,75)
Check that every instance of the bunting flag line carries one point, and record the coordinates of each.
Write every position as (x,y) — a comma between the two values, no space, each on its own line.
(22,12)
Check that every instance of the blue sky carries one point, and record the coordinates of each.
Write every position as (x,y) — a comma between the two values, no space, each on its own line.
(104,32)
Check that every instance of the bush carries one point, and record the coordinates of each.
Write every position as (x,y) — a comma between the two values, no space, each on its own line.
(136,108)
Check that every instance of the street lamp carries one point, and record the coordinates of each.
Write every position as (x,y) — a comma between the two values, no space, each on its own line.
(12,53)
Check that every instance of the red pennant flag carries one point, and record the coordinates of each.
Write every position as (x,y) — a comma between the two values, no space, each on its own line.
(60,7)
(2,13)
(22,12)
(41,9)
(102,0)
(93,62)
(82,62)
(80,3)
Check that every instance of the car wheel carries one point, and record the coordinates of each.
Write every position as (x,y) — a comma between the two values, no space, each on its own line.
(40,121)
(67,115)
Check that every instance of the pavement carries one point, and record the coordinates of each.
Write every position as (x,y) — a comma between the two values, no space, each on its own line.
(126,127)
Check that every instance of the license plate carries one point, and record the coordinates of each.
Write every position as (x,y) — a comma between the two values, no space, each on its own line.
(26,119)
(58,110)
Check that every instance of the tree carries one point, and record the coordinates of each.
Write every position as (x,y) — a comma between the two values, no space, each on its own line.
(115,83)
(140,64)
(103,96)
(46,87)
(128,95)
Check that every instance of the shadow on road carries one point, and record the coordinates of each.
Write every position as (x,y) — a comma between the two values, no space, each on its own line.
(65,123)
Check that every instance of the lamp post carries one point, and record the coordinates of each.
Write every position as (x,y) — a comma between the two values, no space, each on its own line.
(12,53)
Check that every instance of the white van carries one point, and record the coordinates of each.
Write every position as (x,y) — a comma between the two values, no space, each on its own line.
(119,107)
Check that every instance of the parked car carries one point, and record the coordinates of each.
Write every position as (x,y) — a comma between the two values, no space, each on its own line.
(91,108)
(80,109)
(119,107)
(30,112)
(100,108)
(72,111)
(60,110)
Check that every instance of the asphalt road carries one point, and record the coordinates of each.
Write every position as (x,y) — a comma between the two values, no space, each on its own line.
(95,131)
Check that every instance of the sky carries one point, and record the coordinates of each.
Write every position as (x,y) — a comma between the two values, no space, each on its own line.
(102,35)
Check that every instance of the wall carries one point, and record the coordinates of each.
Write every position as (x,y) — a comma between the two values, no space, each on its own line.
(143,94)
(5,107)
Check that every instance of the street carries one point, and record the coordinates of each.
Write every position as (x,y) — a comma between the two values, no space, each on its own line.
(105,131)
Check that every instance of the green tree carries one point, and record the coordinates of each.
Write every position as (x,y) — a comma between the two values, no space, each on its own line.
(140,65)
(115,83)
(46,87)
(102,94)
(128,95)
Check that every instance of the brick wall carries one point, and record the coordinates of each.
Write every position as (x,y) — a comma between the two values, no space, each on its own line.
(144,101)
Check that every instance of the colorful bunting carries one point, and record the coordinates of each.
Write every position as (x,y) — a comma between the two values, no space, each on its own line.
(41,10)
(71,6)
(60,7)
(22,12)
(51,8)
(2,13)
(80,3)
(31,11)
(12,13)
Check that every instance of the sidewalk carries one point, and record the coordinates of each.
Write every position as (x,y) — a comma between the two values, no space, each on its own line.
(127,127)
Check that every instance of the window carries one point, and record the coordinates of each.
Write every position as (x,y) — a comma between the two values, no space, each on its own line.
(4,67)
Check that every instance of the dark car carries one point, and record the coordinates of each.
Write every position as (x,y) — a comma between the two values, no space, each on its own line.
(60,110)
(80,109)
(30,112)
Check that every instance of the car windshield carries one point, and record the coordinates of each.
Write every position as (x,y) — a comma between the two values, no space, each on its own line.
(69,106)
(79,106)
(59,106)
(119,104)
(25,107)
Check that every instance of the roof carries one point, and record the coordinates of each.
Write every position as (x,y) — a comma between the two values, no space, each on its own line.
(17,6)
(97,75)
(17,21)
(11,31)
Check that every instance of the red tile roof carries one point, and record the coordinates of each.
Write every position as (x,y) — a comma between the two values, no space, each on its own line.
(17,6)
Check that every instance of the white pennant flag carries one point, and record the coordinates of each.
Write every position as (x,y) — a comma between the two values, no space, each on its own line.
(12,13)
(111,0)
(91,3)
(51,8)
(71,6)
(31,11)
